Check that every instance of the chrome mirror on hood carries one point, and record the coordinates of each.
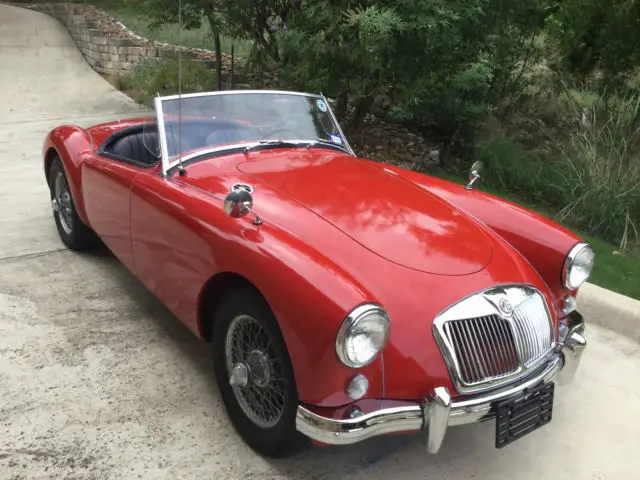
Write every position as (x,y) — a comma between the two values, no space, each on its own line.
(474,174)
(239,203)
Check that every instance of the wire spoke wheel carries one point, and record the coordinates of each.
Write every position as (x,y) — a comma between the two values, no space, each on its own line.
(61,203)
(255,374)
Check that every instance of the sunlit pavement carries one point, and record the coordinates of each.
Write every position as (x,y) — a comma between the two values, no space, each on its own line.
(98,380)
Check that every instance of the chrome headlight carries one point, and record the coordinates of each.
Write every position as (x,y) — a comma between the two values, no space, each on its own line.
(362,335)
(577,266)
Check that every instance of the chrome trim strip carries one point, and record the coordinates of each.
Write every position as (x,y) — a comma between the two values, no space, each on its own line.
(237,92)
(164,149)
(344,432)
(335,120)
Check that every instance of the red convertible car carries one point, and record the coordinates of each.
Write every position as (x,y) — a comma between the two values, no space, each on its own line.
(344,298)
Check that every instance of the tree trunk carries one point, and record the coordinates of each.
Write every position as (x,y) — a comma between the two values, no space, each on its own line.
(218,49)
(362,108)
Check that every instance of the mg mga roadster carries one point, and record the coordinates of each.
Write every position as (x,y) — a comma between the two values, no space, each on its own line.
(343,298)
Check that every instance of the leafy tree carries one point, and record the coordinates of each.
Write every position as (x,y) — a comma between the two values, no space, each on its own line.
(259,21)
(440,64)
(601,34)
(191,15)
(344,52)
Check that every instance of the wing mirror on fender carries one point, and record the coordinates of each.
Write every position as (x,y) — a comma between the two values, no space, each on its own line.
(476,170)
(239,203)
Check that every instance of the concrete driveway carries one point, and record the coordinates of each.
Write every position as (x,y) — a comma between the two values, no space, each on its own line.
(98,380)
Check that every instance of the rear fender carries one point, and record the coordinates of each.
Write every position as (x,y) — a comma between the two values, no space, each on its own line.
(541,241)
(71,144)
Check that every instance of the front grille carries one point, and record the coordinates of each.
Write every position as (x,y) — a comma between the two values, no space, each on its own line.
(485,348)
(495,345)
(533,330)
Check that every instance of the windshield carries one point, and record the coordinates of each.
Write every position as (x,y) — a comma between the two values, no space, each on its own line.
(194,123)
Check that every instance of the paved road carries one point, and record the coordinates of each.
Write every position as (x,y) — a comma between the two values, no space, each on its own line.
(98,380)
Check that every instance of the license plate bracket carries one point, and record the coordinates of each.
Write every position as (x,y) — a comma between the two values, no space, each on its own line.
(520,416)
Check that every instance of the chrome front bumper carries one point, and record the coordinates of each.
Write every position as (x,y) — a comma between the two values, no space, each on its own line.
(439,411)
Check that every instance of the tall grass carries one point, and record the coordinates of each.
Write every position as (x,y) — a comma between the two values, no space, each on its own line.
(601,169)
(584,168)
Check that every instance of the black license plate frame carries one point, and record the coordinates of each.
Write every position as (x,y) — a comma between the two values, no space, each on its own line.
(526,413)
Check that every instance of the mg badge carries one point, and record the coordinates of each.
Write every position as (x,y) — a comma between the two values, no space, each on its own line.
(505,306)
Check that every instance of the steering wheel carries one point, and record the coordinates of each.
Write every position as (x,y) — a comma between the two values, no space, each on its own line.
(282,131)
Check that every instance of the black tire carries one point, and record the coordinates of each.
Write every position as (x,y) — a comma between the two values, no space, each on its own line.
(280,439)
(72,230)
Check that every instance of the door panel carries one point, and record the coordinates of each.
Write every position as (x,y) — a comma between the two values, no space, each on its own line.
(106,184)
(173,256)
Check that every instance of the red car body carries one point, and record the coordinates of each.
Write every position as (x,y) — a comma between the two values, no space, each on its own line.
(337,231)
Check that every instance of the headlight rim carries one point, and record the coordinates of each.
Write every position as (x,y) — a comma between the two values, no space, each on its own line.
(568,262)
(358,313)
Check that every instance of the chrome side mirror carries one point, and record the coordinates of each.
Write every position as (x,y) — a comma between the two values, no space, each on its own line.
(476,170)
(239,203)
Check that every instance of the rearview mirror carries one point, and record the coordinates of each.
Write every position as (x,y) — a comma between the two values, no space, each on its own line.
(474,174)
(238,203)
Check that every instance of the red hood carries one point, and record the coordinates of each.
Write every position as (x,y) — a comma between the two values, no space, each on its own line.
(378,209)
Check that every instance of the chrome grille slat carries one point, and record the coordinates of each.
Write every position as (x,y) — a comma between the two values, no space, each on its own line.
(482,341)
(534,329)
(500,352)
(486,326)
(474,350)
(477,357)
(497,345)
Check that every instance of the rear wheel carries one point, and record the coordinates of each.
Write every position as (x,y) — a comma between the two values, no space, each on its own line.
(73,232)
(255,376)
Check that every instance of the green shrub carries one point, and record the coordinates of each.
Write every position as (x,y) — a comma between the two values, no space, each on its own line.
(161,76)
(513,169)
(590,177)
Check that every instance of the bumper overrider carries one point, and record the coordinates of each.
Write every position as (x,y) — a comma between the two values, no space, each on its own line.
(439,411)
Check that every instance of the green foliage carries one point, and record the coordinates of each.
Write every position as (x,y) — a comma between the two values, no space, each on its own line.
(346,53)
(602,170)
(513,169)
(440,65)
(601,34)
(591,178)
(161,77)
(555,82)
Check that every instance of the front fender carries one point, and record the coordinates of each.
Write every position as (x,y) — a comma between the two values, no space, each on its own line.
(310,296)
(541,241)
(308,292)
(70,143)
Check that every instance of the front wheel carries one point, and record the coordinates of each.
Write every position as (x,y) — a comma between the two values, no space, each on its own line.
(255,376)
(73,232)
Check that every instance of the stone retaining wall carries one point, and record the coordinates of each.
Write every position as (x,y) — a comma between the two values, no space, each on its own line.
(111,49)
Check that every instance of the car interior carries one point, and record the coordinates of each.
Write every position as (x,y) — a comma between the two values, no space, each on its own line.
(140,144)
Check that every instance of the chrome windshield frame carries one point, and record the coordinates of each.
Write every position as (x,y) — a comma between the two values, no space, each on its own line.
(168,165)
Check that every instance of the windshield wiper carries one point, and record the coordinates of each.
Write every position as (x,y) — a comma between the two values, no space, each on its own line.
(271,143)
(297,143)
(328,143)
